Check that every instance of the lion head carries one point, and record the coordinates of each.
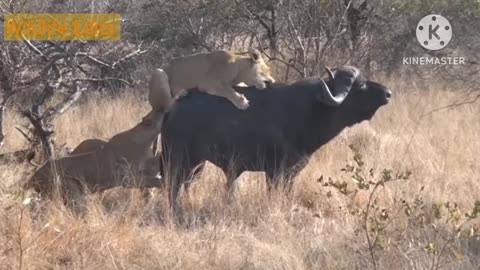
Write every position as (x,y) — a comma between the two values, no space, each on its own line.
(258,74)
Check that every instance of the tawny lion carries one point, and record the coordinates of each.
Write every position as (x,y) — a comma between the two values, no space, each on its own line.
(212,72)
(96,165)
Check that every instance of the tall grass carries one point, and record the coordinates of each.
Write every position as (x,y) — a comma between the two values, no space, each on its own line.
(315,229)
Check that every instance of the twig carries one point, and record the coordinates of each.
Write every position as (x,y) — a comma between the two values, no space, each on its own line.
(287,64)
(104,80)
(63,106)
(20,255)
(31,46)
(371,245)
(93,59)
(24,134)
(128,56)
(43,133)
(300,44)
(477,97)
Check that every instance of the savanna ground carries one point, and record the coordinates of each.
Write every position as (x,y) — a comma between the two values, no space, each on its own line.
(425,221)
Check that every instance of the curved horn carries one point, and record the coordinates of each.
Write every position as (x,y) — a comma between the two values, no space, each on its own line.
(330,73)
(342,82)
(327,97)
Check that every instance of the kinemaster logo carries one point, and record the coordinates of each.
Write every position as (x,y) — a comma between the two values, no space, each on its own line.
(434,32)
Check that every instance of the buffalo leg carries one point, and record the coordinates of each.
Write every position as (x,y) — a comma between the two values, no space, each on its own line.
(231,176)
(74,197)
(274,179)
(174,188)
(198,169)
(179,170)
(194,175)
(287,174)
(274,175)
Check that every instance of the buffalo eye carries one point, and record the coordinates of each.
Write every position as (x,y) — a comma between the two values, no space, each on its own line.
(363,85)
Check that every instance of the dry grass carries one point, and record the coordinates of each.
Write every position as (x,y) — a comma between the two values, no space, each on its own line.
(312,230)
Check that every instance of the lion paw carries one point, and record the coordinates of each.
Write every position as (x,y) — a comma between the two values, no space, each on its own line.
(243,104)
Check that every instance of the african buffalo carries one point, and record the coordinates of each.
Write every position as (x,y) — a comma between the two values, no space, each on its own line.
(277,134)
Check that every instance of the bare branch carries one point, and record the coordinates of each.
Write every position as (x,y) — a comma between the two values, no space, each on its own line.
(61,107)
(128,56)
(105,80)
(42,132)
(31,46)
(288,64)
(94,59)
(24,134)
(300,44)
(456,104)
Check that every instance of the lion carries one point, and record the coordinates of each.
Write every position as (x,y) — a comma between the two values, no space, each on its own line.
(96,165)
(212,72)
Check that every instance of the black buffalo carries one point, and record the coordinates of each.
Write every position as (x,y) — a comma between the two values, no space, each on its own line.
(277,134)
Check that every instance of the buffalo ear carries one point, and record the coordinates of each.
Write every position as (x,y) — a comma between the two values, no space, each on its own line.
(255,55)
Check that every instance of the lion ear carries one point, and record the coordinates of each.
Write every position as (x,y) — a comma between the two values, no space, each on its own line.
(255,55)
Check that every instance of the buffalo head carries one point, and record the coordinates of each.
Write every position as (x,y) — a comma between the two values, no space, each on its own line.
(348,88)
